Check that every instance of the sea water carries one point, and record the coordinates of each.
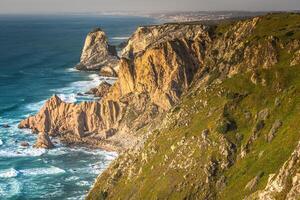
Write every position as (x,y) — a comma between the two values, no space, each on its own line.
(37,55)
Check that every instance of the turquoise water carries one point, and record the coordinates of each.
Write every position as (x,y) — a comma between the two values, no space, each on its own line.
(37,54)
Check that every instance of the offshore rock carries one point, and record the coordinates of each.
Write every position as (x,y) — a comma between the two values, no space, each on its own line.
(97,53)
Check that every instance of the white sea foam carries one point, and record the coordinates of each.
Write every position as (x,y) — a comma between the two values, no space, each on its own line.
(94,81)
(81,197)
(42,171)
(83,183)
(91,169)
(72,178)
(73,69)
(1,142)
(10,188)
(8,173)
(69,98)
(57,151)
(30,152)
(34,107)
(70,93)
(108,155)
(120,38)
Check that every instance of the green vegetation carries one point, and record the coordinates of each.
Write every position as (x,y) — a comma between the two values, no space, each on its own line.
(178,161)
(285,26)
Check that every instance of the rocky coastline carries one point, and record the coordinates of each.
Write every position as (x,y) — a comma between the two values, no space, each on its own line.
(138,96)
(202,104)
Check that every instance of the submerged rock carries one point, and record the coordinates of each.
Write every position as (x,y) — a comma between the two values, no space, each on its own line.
(97,53)
(43,141)
(5,126)
(24,144)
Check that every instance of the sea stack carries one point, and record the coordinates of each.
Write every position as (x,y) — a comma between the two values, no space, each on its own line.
(98,55)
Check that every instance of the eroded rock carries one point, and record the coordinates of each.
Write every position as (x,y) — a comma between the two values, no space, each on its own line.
(101,90)
(296,59)
(280,183)
(254,182)
(276,125)
(43,141)
(97,53)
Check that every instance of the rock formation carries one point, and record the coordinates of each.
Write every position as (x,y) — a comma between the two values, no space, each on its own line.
(150,36)
(148,84)
(176,80)
(43,141)
(98,55)
(101,90)
(286,182)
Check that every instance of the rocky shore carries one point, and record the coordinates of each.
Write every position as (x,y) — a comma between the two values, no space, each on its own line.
(197,111)
(147,86)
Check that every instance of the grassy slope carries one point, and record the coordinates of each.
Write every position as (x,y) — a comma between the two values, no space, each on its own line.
(155,179)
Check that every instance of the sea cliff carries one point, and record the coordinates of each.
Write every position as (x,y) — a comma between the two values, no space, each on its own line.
(199,111)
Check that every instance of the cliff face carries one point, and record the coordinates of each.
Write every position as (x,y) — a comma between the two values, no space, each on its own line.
(98,55)
(200,111)
(147,37)
(234,125)
(148,85)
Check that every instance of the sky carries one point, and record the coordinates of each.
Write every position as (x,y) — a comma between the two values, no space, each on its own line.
(89,6)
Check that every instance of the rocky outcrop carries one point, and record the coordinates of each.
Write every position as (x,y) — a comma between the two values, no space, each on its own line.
(296,58)
(148,84)
(101,90)
(285,183)
(98,55)
(254,182)
(150,36)
(158,65)
(174,81)
(43,141)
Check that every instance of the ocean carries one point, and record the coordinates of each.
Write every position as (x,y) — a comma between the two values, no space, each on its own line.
(37,55)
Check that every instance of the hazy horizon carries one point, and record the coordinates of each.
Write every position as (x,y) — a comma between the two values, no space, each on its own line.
(100,6)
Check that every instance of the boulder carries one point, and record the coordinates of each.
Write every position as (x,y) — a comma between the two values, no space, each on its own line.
(24,144)
(5,125)
(43,141)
